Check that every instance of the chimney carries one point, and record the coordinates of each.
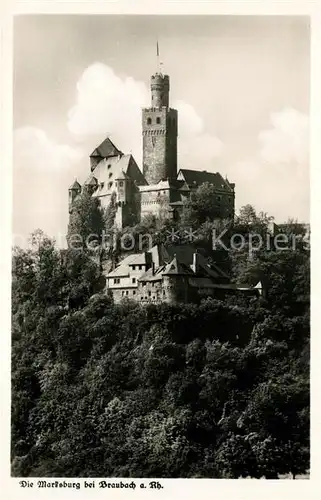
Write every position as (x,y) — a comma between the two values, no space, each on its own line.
(195,262)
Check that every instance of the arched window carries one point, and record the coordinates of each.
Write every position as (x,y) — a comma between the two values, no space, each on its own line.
(158,120)
(149,121)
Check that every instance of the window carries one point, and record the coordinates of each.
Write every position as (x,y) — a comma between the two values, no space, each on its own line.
(121,183)
(134,292)
(219,198)
(133,280)
(116,281)
(140,268)
(134,267)
(158,120)
(153,284)
(123,293)
(149,294)
(127,292)
(149,121)
(102,185)
(110,184)
(110,174)
(109,166)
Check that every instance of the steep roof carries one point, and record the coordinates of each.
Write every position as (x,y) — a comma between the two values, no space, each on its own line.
(91,181)
(194,178)
(108,170)
(123,268)
(122,176)
(175,267)
(75,185)
(106,149)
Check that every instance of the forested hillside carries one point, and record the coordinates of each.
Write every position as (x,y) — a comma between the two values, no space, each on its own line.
(216,390)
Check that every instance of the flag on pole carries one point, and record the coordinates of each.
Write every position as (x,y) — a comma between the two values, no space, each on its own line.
(157,48)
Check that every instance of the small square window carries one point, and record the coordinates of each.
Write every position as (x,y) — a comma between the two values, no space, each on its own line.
(109,166)
(134,292)
(158,120)
(134,267)
(121,183)
(149,294)
(133,280)
(110,174)
(110,184)
(149,121)
(127,292)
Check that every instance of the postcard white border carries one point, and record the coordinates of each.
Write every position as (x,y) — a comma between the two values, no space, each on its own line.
(189,488)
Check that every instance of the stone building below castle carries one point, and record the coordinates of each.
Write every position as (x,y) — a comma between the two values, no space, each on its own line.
(171,274)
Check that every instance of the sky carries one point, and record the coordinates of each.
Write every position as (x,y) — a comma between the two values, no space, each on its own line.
(240,84)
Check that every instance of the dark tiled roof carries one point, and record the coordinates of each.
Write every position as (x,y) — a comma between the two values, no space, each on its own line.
(75,185)
(106,149)
(195,178)
(175,267)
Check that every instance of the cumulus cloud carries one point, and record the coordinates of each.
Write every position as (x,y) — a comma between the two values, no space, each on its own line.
(42,172)
(110,105)
(277,179)
(287,141)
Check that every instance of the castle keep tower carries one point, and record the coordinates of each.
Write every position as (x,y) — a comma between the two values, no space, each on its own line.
(159,133)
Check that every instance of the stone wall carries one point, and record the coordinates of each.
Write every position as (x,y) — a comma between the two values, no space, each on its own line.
(155,202)
(159,144)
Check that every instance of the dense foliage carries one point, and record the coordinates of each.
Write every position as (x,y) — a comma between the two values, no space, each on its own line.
(219,389)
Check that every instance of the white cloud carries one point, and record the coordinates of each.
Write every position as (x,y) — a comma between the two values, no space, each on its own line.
(287,142)
(109,105)
(277,180)
(42,173)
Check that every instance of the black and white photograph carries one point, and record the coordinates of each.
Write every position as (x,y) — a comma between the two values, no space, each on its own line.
(160,304)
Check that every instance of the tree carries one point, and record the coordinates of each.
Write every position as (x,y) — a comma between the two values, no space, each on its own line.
(86,222)
(201,205)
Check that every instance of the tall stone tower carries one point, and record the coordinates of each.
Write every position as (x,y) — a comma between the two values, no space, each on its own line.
(159,133)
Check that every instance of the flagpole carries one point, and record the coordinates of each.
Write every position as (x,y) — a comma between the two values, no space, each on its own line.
(157,53)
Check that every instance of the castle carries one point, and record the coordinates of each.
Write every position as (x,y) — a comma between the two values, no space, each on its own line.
(158,189)
(161,274)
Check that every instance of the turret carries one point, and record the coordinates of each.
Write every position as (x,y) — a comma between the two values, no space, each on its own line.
(159,90)
(73,192)
(159,127)
(122,185)
(91,185)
